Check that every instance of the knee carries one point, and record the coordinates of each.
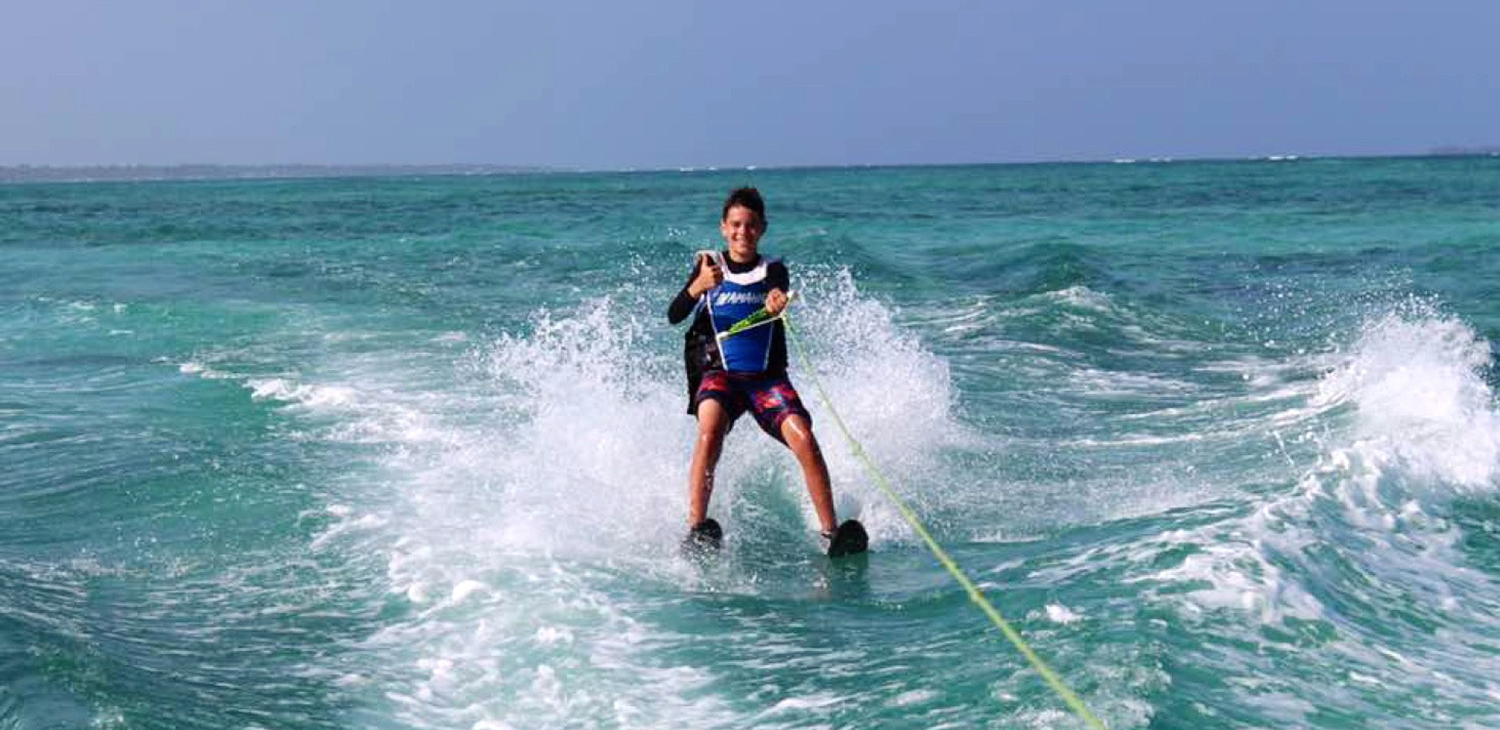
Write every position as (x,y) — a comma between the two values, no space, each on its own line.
(710,430)
(798,434)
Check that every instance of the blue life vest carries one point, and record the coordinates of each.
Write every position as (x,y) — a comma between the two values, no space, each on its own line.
(734,299)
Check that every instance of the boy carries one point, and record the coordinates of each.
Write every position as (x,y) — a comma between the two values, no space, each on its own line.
(746,372)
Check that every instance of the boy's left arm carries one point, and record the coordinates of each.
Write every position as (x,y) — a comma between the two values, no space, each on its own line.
(780,281)
(775,301)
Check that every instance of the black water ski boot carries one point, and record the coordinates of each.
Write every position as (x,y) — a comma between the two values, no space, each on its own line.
(704,538)
(849,539)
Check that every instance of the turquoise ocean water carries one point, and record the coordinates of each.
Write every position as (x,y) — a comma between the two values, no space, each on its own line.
(1220,438)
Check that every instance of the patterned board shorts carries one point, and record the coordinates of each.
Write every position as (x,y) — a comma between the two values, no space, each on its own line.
(772,399)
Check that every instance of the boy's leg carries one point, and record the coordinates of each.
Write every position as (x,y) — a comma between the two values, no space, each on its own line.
(711,422)
(798,435)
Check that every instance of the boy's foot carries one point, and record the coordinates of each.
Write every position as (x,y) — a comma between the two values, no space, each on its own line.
(703,537)
(849,539)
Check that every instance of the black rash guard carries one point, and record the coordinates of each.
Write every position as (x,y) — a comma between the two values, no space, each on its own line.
(699,354)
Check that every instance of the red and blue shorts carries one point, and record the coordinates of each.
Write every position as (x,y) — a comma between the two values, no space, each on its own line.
(771,398)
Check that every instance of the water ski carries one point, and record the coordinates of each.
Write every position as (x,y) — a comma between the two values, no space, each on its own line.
(849,539)
(704,538)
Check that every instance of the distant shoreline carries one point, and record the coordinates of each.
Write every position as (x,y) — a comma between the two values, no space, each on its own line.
(141,173)
(148,173)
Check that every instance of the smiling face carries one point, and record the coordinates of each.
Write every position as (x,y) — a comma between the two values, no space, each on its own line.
(741,229)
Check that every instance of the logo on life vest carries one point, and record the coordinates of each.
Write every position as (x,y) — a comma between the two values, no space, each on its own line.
(738,297)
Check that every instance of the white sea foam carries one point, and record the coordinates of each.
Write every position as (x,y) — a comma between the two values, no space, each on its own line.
(304,394)
(1423,430)
(1060,614)
(1422,400)
(514,623)
(894,396)
(193,367)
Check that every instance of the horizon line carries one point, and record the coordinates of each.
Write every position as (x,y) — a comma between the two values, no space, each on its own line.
(32,172)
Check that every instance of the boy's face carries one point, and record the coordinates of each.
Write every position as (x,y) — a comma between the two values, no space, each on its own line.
(741,229)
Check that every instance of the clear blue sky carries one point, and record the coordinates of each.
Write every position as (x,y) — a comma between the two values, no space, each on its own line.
(670,83)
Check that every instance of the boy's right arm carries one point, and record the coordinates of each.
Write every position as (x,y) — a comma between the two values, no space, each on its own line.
(708,272)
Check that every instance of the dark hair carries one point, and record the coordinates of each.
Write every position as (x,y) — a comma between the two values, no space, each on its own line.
(747,198)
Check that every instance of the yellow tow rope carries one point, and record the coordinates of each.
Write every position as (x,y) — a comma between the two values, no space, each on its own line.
(1069,697)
